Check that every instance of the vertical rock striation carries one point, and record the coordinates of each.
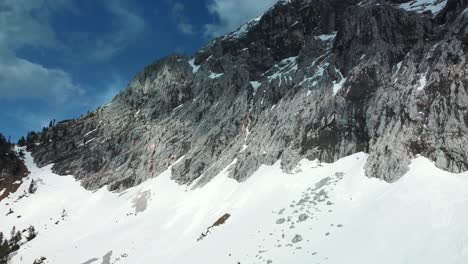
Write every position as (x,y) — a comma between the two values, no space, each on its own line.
(316,79)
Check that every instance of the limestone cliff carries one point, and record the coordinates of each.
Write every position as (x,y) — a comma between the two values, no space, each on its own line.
(315,79)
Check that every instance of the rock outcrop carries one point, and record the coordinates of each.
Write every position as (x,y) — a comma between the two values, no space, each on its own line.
(316,79)
(12,168)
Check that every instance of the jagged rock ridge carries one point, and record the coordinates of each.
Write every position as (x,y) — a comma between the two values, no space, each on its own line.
(316,79)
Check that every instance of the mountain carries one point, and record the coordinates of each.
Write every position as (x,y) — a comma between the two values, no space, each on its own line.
(328,131)
(309,79)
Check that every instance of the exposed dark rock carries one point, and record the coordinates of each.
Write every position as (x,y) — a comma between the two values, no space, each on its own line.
(12,168)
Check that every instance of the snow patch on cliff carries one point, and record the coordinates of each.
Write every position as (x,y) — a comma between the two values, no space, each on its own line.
(195,68)
(215,75)
(255,86)
(327,37)
(421,6)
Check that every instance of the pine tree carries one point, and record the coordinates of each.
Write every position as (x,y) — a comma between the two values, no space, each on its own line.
(21,153)
(32,187)
(13,232)
(31,233)
(4,248)
(3,243)
(22,142)
(15,236)
(15,239)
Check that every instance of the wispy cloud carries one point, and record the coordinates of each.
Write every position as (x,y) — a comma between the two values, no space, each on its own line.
(18,26)
(27,23)
(128,25)
(109,90)
(182,21)
(30,121)
(34,92)
(231,14)
(20,77)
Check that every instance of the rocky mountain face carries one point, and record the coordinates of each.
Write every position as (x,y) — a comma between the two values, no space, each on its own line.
(315,79)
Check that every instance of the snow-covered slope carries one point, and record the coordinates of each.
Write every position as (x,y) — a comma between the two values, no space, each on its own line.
(322,213)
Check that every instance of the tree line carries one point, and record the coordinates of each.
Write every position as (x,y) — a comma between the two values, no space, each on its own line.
(10,162)
(17,239)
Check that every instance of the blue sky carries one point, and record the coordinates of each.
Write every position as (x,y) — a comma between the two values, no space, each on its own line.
(61,58)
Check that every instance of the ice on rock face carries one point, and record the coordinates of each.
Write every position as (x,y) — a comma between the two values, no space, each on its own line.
(434,6)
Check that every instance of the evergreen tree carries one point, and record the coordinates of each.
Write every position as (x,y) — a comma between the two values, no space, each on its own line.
(15,239)
(22,142)
(15,236)
(4,248)
(21,153)
(40,260)
(13,232)
(32,187)
(31,233)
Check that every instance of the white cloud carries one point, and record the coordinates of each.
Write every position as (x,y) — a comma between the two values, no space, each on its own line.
(183,24)
(110,89)
(27,23)
(20,28)
(22,78)
(128,25)
(233,13)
